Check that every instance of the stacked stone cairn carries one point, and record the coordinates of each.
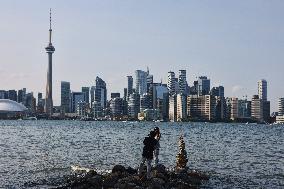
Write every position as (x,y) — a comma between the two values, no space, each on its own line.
(181,158)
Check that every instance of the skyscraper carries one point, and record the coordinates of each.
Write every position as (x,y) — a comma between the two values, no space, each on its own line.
(86,90)
(262,89)
(141,81)
(217,91)
(203,85)
(65,96)
(129,85)
(171,84)
(281,107)
(256,108)
(100,92)
(49,50)
(76,98)
(182,82)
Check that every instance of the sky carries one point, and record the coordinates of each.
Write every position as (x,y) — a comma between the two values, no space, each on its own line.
(234,43)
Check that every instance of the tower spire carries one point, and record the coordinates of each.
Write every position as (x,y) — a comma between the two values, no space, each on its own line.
(50,30)
(50,18)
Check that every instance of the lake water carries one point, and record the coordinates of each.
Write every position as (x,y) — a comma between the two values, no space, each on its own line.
(38,154)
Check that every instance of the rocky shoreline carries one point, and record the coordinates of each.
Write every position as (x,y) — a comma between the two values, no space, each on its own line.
(127,178)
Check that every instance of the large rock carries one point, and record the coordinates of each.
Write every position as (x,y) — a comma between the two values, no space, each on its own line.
(96,181)
(118,168)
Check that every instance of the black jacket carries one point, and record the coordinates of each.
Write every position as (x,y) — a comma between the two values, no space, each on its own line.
(149,145)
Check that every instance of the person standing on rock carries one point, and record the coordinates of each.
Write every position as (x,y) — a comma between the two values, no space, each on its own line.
(149,145)
(157,147)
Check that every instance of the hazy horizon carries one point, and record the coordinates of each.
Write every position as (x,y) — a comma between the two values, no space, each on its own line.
(234,43)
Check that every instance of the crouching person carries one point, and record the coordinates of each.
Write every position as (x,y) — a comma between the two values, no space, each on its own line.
(149,145)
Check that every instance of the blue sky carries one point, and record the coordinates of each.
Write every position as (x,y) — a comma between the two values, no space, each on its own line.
(234,43)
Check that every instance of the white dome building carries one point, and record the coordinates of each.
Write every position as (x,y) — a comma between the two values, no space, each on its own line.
(11,109)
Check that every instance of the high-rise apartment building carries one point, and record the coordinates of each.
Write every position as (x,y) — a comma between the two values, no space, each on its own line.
(129,85)
(181,107)
(86,90)
(100,92)
(234,105)
(141,81)
(116,107)
(182,82)
(171,84)
(203,85)
(65,97)
(281,107)
(217,91)
(262,89)
(257,108)
(145,102)
(173,108)
(40,103)
(201,107)
(76,98)
(133,105)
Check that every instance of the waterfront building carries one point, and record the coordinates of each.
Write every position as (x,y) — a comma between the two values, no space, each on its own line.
(280,119)
(100,92)
(257,108)
(65,97)
(129,85)
(48,98)
(149,115)
(203,85)
(116,107)
(76,97)
(181,107)
(145,102)
(217,91)
(133,105)
(40,103)
(182,82)
(281,106)
(262,89)
(86,90)
(244,107)
(20,96)
(266,111)
(30,102)
(81,108)
(234,102)
(92,94)
(97,109)
(173,108)
(220,109)
(12,95)
(201,107)
(125,94)
(141,81)
(149,81)
(171,84)
(10,109)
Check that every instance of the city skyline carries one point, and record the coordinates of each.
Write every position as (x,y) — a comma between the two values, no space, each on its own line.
(161,48)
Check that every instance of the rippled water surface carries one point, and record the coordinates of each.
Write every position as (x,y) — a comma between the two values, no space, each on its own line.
(37,154)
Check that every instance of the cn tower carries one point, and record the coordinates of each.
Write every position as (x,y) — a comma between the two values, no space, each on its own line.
(49,50)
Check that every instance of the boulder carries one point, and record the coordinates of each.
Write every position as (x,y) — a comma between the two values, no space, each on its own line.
(118,168)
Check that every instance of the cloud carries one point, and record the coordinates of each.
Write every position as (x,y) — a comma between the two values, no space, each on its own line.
(237,88)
